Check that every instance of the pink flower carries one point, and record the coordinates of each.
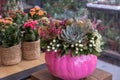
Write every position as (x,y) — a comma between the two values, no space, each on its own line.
(30,23)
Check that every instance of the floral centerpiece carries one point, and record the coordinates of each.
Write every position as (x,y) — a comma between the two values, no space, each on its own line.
(31,42)
(72,49)
(10,39)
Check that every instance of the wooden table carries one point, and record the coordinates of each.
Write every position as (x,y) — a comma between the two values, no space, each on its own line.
(6,71)
(97,75)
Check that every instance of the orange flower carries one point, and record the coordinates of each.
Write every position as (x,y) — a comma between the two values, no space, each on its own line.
(1,20)
(40,13)
(7,22)
(32,11)
(9,18)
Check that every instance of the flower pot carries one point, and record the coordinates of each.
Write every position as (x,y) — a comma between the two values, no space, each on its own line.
(113,44)
(11,56)
(31,50)
(68,67)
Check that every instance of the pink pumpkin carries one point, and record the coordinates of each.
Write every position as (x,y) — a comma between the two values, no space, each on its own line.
(68,67)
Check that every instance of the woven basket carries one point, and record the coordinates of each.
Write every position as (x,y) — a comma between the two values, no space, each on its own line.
(31,50)
(12,55)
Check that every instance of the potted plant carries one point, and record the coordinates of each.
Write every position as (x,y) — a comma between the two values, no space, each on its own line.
(112,37)
(10,42)
(31,41)
(71,52)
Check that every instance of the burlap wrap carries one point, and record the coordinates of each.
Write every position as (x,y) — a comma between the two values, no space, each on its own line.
(31,50)
(11,55)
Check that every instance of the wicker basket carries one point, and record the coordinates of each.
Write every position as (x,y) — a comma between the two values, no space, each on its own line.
(31,50)
(12,55)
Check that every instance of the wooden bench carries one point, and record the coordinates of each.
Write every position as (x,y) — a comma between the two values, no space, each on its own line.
(97,75)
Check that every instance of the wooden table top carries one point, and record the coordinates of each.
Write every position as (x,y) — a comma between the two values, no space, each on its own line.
(24,65)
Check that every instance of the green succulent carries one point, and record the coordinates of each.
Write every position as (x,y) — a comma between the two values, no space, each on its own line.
(73,33)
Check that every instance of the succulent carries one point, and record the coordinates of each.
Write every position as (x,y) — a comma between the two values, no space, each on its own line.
(72,34)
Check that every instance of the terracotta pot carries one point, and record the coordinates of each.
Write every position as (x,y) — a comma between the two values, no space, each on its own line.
(12,55)
(31,50)
(68,67)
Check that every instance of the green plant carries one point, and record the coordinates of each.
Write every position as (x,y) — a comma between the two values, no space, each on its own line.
(10,35)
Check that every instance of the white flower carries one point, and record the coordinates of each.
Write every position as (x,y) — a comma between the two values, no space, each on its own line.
(53,48)
(92,38)
(98,41)
(72,45)
(79,41)
(76,44)
(48,47)
(77,49)
(80,45)
(94,45)
(90,45)
(51,43)
(76,52)
(92,41)
(58,45)
(81,49)
(54,40)
(48,50)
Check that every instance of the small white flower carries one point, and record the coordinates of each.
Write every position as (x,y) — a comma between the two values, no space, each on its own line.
(79,41)
(51,43)
(80,45)
(92,38)
(48,50)
(48,47)
(91,41)
(77,49)
(58,45)
(54,40)
(90,45)
(81,49)
(94,45)
(72,45)
(53,48)
(76,52)
(76,44)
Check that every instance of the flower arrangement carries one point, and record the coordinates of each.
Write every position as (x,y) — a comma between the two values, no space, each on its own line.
(36,13)
(10,34)
(81,37)
(30,31)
